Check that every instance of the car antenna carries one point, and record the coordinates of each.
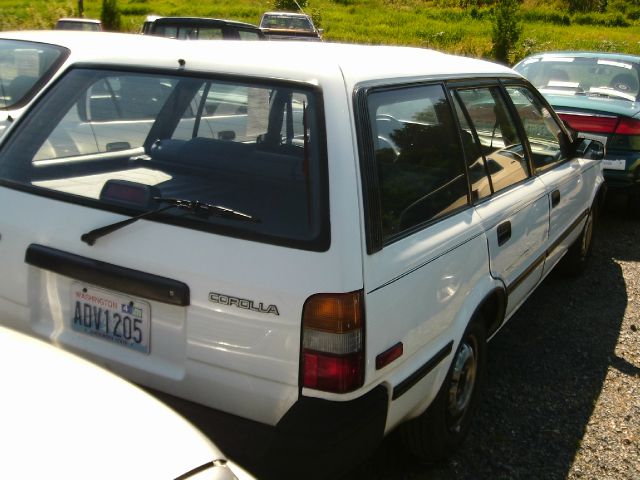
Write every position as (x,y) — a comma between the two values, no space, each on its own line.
(298,5)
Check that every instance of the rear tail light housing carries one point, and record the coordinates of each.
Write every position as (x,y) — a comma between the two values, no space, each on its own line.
(332,354)
(624,132)
(590,123)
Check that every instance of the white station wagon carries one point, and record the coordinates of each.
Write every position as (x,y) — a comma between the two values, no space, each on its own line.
(316,237)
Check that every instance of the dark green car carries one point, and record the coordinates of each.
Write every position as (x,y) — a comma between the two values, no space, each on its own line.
(597,94)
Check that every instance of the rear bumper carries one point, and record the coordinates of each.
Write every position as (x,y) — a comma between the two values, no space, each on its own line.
(315,439)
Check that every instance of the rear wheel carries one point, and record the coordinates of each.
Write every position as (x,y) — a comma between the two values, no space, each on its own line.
(444,425)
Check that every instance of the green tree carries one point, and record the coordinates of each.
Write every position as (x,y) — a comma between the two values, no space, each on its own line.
(291,5)
(506,29)
(110,15)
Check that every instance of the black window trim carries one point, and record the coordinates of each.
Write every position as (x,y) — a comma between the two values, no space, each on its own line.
(321,243)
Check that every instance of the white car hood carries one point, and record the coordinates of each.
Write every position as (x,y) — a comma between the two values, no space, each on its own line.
(63,417)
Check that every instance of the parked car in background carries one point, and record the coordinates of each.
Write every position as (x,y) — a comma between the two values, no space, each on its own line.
(200,28)
(289,26)
(596,93)
(63,417)
(29,60)
(314,238)
(25,67)
(83,24)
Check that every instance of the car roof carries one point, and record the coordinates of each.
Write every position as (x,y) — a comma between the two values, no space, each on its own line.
(585,54)
(202,21)
(80,20)
(87,45)
(298,61)
(286,14)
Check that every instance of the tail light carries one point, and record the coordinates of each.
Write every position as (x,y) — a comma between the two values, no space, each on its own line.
(333,342)
(624,132)
(590,123)
(628,126)
(599,124)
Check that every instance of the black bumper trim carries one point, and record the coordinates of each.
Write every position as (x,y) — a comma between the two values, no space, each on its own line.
(107,275)
(404,386)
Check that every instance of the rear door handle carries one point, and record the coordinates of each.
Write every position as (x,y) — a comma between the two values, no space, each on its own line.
(504,233)
(555,198)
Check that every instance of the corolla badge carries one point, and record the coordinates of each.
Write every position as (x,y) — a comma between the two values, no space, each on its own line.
(243,303)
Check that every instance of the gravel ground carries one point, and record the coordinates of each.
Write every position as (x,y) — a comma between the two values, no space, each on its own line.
(562,399)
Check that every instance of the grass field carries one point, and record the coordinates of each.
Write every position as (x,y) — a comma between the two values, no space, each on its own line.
(437,24)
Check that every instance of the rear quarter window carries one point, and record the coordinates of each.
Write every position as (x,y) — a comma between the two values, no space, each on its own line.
(418,157)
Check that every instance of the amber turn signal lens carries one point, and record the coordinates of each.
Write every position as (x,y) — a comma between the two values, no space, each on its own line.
(334,312)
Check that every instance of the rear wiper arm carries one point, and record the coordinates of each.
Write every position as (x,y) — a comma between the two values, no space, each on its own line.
(199,208)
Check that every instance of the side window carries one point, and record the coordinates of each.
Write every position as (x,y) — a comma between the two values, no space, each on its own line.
(210,33)
(116,112)
(542,130)
(418,156)
(248,35)
(227,112)
(502,162)
(477,166)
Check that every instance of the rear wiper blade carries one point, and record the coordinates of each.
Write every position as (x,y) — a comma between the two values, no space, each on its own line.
(207,209)
(199,208)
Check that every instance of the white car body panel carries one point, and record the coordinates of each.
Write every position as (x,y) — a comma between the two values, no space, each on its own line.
(60,414)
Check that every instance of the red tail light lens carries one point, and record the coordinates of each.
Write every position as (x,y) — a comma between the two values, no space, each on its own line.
(590,123)
(628,126)
(332,357)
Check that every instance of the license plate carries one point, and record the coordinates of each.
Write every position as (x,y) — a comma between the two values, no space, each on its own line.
(110,316)
(614,164)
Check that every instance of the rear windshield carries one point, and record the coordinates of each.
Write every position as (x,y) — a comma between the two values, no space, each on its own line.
(24,66)
(285,22)
(127,141)
(583,76)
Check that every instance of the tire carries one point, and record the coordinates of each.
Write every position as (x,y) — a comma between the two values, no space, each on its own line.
(442,428)
(576,259)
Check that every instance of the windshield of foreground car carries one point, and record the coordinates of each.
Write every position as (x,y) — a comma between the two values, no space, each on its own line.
(120,140)
(592,76)
(23,67)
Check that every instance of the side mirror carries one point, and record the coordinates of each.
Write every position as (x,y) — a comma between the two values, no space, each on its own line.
(589,149)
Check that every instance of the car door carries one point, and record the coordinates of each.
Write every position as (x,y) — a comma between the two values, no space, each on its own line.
(562,176)
(510,200)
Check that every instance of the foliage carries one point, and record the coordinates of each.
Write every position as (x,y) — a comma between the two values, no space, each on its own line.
(457,26)
(110,15)
(608,20)
(37,17)
(506,29)
(587,5)
(290,5)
